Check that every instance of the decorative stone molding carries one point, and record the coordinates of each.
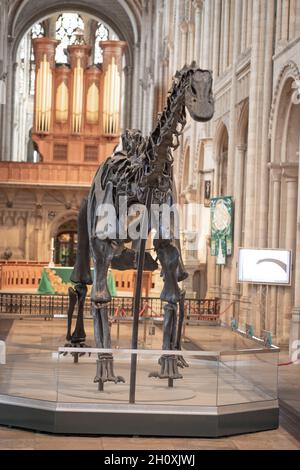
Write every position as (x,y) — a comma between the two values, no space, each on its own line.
(241,147)
(290,69)
(184,26)
(189,194)
(197,4)
(287,170)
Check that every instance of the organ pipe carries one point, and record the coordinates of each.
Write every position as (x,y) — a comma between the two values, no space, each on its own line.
(44,50)
(112,64)
(77,106)
(62,103)
(92,105)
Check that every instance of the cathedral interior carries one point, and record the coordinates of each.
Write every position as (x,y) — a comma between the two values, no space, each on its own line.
(75,74)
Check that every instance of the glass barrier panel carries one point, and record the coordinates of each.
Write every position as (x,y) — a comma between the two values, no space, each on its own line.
(29,372)
(198,387)
(248,376)
(75,381)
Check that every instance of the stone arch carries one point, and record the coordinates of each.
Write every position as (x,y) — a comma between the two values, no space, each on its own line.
(289,70)
(70,215)
(221,156)
(121,16)
(284,133)
(242,124)
(63,238)
(284,183)
(221,128)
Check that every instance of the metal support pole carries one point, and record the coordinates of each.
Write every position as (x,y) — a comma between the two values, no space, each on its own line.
(137,296)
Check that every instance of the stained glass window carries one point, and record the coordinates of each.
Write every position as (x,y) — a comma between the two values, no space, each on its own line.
(37,31)
(66,26)
(101,34)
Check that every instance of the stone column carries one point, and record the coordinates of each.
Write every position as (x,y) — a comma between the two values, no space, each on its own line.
(285,21)
(254,104)
(226,34)
(216,44)
(278,20)
(240,153)
(190,48)
(297,20)
(244,27)
(126,112)
(198,12)
(292,19)
(251,7)
(233,96)
(197,57)
(290,235)
(229,268)
(135,87)
(177,33)
(206,35)
(184,36)
(3,72)
(266,107)
(275,179)
(295,322)
(142,66)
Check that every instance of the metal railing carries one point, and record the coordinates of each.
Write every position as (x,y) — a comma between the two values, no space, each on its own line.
(49,306)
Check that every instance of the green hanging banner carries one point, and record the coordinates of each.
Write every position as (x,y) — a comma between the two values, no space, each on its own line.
(221,228)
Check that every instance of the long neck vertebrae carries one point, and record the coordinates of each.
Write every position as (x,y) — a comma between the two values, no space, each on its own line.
(166,133)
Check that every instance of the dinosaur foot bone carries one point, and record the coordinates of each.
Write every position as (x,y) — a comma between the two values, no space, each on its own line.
(77,345)
(105,370)
(169,368)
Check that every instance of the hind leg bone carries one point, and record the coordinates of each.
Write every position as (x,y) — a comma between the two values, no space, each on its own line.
(103,252)
(105,366)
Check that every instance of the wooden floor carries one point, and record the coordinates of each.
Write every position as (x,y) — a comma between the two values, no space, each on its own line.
(42,338)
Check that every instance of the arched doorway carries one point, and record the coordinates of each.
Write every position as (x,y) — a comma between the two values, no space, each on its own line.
(65,244)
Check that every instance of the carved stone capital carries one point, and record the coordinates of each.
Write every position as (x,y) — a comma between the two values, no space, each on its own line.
(197,4)
(290,171)
(184,27)
(189,194)
(276,174)
(241,148)
(191,27)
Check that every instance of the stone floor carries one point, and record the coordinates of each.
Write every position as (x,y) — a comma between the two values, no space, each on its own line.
(43,336)
(14,439)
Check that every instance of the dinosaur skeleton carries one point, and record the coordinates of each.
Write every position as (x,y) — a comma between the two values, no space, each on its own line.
(139,167)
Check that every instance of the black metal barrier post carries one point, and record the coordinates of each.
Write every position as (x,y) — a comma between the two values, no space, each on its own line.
(137,295)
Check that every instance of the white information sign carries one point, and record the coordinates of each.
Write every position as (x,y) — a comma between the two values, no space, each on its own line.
(267,266)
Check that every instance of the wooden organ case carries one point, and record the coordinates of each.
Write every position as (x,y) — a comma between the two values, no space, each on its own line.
(77,107)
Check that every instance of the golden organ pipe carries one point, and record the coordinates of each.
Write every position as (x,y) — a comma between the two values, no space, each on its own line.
(112,98)
(77,97)
(62,102)
(112,94)
(44,93)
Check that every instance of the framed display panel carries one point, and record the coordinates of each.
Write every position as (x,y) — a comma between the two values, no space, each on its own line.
(265,266)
